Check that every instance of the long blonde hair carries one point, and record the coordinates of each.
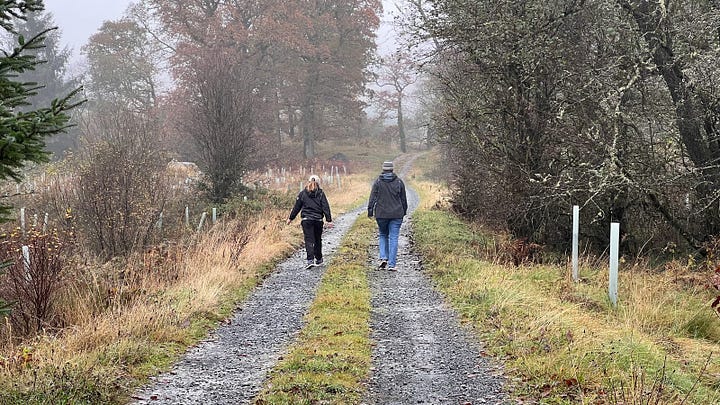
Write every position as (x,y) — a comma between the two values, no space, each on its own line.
(312,184)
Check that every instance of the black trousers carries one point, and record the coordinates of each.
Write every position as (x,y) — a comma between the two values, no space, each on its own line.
(313,238)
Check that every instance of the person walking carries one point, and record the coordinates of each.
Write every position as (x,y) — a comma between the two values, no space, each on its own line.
(313,206)
(388,204)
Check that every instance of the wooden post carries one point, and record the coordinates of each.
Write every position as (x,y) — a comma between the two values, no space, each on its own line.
(202,221)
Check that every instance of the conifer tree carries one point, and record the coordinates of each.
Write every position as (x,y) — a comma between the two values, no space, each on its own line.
(22,130)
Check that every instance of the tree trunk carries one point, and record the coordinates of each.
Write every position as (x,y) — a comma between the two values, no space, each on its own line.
(308,120)
(691,114)
(401,125)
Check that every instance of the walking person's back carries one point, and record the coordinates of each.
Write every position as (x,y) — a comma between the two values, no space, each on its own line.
(313,206)
(388,204)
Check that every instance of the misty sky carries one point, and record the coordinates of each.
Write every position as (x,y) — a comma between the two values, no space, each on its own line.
(79,19)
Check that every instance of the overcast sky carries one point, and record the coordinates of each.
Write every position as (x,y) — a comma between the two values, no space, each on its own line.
(79,19)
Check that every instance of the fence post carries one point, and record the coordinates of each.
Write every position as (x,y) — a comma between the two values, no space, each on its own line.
(187,216)
(214,215)
(22,220)
(614,253)
(575,237)
(26,262)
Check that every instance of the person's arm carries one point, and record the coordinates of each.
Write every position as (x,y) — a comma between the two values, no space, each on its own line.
(373,199)
(296,209)
(326,208)
(403,197)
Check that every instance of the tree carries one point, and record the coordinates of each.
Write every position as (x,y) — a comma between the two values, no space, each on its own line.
(397,73)
(123,65)
(612,106)
(120,186)
(23,133)
(340,46)
(50,74)
(218,112)
(683,49)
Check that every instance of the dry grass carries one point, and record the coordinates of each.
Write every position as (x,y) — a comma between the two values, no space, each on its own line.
(173,305)
(129,320)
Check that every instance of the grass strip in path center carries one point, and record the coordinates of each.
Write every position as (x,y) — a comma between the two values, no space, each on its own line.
(331,358)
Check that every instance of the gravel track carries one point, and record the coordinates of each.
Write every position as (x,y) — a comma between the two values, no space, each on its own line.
(231,365)
(421,354)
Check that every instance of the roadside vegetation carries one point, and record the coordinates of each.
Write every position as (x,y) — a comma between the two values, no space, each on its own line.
(111,324)
(564,342)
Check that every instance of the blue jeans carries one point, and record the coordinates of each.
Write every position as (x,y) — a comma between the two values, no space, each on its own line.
(388,233)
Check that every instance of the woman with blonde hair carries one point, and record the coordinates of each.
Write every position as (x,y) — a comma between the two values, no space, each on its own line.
(313,206)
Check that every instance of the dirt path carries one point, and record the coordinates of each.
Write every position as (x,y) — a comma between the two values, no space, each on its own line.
(421,353)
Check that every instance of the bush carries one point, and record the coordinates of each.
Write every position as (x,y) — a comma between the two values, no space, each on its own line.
(31,284)
(120,189)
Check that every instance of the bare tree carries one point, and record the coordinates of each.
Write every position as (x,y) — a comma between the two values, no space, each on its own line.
(219,116)
(397,73)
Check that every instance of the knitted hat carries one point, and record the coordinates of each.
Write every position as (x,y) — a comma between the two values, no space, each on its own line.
(314,178)
(388,166)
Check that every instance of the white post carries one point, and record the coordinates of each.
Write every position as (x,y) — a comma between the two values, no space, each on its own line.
(187,216)
(26,261)
(35,221)
(575,236)
(214,215)
(614,250)
(159,222)
(45,222)
(202,221)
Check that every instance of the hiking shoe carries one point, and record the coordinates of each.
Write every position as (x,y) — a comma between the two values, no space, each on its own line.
(383,264)
(392,268)
(318,262)
(310,264)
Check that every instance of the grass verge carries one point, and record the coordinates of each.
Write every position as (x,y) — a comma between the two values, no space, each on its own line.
(331,358)
(563,342)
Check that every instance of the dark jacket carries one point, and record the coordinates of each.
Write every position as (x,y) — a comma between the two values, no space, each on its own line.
(314,206)
(387,198)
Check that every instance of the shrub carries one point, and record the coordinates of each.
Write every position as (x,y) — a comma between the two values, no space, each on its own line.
(30,282)
(120,188)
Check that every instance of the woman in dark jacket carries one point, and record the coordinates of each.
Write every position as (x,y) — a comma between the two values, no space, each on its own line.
(313,206)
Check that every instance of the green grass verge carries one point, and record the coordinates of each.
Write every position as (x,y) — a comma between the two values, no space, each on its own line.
(331,358)
(561,342)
